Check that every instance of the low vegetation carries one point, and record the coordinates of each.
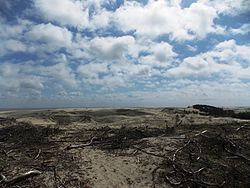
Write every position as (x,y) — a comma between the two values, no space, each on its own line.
(169,147)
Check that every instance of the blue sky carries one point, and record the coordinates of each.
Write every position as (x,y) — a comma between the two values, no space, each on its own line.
(118,53)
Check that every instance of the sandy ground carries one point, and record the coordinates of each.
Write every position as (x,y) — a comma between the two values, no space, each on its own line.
(94,165)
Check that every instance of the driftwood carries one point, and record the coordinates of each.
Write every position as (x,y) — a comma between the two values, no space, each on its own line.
(81,145)
(18,179)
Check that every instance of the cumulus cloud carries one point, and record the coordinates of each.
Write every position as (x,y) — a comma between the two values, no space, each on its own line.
(130,70)
(156,18)
(64,12)
(30,79)
(50,34)
(13,30)
(152,19)
(60,73)
(228,6)
(163,51)
(160,55)
(12,36)
(31,84)
(111,76)
(15,82)
(11,45)
(110,48)
(227,58)
(92,69)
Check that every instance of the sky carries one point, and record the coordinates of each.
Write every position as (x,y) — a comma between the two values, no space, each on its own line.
(124,53)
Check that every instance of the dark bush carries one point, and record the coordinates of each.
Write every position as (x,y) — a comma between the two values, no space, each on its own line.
(26,133)
(242,115)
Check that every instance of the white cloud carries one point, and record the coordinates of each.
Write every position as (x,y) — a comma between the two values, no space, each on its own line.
(30,79)
(50,34)
(160,55)
(130,70)
(92,69)
(111,48)
(111,76)
(12,36)
(228,6)
(226,59)
(47,38)
(31,84)
(108,82)
(7,46)
(163,51)
(156,18)
(100,20)
(242,30)
(60,73)
(7,31)
(187,92)
(77,50)
(64,12)
(15,82)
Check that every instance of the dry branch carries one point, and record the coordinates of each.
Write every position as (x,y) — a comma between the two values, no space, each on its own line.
(242,127)
(81,145)
(174,156)
(18,179)
(149,153)
(38,154)
(202,133)
(183,170)
(237,155)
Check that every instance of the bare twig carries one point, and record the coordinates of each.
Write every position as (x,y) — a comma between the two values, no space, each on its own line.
(3,179)
(68,140)
(242,127)
(238,155)
(198,171)
(149,153)
(38,154)
(7,154)
(202,133)
(175,153)
(179,123)
(81,145)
